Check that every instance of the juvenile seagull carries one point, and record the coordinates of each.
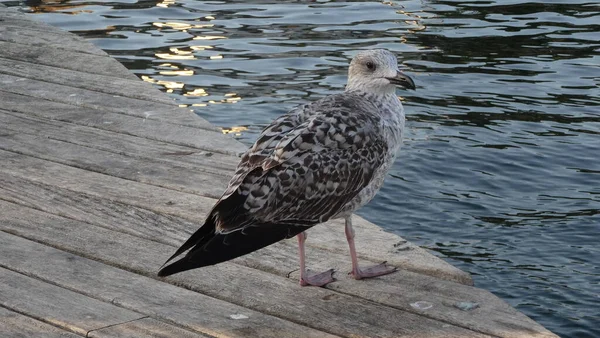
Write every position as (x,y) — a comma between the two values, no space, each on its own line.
(322,160)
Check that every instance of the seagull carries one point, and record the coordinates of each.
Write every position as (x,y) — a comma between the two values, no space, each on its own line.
(320,161)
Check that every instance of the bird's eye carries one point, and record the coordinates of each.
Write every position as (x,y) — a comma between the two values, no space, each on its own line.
(370,65)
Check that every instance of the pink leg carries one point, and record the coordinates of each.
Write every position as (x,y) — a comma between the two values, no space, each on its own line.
(320,279)
(372,271)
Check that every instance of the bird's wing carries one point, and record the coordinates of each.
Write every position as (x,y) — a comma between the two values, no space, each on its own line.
(302,170)
(306,174)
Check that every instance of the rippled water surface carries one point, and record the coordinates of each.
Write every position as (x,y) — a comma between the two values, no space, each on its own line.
(500,171)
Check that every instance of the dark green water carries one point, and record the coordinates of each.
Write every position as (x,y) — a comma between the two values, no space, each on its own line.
(500,171)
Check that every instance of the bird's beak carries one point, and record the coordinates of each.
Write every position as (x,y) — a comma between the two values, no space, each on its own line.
(403,80)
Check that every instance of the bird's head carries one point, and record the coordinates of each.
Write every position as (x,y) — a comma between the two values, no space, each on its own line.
(376,71)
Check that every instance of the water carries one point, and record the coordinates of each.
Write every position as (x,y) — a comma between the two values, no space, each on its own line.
(500,171)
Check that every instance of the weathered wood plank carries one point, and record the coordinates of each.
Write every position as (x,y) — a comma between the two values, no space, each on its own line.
(16,325)
(147,296)
(93,194)
(16,28)
(321,309)
(144,328)
(57,306)
(123,144)
(136,169)
(52,55)
(159,200)
(399,290)
(196,136)
(405,290)
(144,223)
(167,113)
(87,208)
(274,259)
(129,88)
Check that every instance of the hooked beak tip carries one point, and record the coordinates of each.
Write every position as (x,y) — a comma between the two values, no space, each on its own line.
(402,80)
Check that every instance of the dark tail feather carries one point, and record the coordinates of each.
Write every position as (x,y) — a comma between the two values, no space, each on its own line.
(206,230)
(213,249)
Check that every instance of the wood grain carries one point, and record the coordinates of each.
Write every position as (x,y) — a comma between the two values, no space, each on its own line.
(57,306)
(16,325)
(52,55)
(150,297)
(318,308)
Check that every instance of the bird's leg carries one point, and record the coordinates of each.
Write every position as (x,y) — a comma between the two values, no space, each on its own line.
(372,271)
(320,279)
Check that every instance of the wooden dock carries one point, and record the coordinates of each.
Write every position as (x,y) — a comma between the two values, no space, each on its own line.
(102,176)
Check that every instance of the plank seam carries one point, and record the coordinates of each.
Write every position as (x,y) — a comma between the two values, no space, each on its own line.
(108,57)
(181,164)
(146,209)
(57,285)
(47,44)
(21,114)
(269,312)
(193,288)
(124,231)
(87,334)
(141,273)
(104,173)
(422,314)
(163,99)
(115,111)
(41,320)
(86,222)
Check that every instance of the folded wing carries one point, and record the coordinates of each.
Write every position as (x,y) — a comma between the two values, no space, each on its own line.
(301,171)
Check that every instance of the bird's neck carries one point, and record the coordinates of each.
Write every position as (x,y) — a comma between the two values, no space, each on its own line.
(381,98)
(378,88)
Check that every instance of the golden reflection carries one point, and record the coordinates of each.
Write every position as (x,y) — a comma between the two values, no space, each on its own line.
(231,98)
(182,26)
(182,54)
(200,92)
(196,92)
(237,131)
(176,54)
(198,48)
(183,72)
(209,37)
(169,85)
(416,24)
(165,3)
(209,17)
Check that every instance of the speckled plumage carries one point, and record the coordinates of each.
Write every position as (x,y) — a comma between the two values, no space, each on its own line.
(320,161)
